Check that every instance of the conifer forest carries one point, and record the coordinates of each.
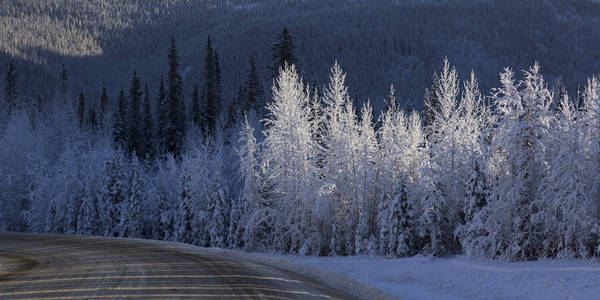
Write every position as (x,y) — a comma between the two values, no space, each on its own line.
(322,128)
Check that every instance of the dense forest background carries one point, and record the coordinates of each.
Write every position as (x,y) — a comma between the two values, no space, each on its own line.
(380,42)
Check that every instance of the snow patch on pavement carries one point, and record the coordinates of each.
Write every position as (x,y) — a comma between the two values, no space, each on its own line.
(8,265)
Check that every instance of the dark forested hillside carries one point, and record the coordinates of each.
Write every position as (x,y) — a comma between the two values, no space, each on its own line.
(378,42)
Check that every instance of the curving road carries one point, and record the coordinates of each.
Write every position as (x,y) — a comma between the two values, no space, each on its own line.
(56,267)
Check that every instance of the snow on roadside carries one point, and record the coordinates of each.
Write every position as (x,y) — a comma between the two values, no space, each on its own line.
(424,277)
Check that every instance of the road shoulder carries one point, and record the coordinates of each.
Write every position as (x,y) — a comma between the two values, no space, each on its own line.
(330,279)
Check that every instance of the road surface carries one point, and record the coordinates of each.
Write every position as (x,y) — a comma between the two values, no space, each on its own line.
(55,267)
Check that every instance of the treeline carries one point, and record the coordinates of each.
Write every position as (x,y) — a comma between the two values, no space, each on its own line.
(510,176)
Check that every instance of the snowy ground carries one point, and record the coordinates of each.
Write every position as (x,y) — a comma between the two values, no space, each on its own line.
(462,278)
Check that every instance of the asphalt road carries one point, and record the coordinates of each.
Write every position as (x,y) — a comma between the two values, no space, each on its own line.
(55,267)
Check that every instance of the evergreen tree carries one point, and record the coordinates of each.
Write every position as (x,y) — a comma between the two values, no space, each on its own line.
(519,146)
(147,128)
(104,100)
(134,123)
(211,92)
(104,105)
(11,91)
(234,233)
(131,218)
(432,103)
(196,115)
(174,132)
(168,190)
(283,51)
(81,110)
(219,211)
(396,224)
(40,104)
(119,123)
(113,195)
(218,88)
(52,224)
(434,221)
(477,195)
(184,231)
(63,83)
(163,117)
(88,219)
(92,118)
(253,91)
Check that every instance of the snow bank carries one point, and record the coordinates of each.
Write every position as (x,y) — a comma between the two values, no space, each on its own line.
(462,278)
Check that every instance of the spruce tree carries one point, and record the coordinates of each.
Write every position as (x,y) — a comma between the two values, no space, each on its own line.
(235,233)
(63,82)
(104,100)
(399,225)
(147,128)
(434,221)
(40,104)
(102,114)
(134,120)
(131,219)
(476,198)
(175,127)
(92,118)
(432,103)
(196,106)
(113,194)
(10,86)
(81,110)
(184,231)
(51,219)
(219,213)
(88,219)
(211,92)
(283,51)
(253,91)
(119,125)
(163,117)
(218,87)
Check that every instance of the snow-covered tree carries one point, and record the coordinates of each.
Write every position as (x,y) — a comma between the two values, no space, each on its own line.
(396,224)
(367,175)
(518,160)
(341,160)
(477,195)
(184,215)
(113,194)
(289,158)
(88,219)
(569,217)
(131,224)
